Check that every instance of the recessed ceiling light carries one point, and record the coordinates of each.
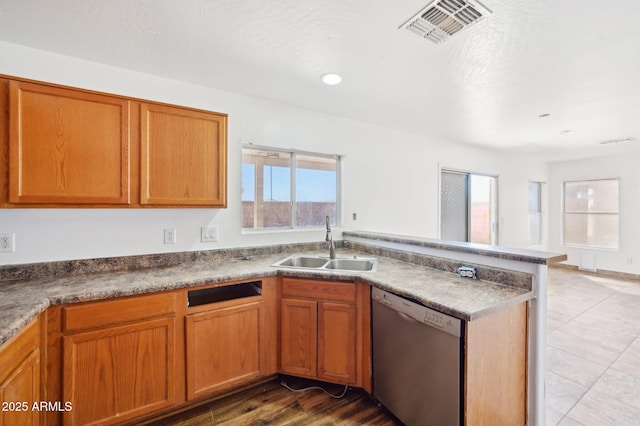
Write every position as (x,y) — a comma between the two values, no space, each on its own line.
(546,114)
(564,132)
(331,79)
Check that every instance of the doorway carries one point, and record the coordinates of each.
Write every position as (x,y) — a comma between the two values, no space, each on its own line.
(468,207)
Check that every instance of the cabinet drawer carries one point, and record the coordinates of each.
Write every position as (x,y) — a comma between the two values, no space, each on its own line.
(314,289)
(116,311)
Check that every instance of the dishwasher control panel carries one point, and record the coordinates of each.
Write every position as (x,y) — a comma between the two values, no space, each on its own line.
(418,312)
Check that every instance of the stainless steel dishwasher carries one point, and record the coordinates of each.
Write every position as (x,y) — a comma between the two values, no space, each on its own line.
(417,361)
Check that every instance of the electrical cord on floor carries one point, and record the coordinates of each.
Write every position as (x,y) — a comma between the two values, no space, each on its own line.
(346,387)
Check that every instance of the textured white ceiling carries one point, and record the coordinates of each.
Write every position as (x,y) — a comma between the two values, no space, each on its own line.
(578,60)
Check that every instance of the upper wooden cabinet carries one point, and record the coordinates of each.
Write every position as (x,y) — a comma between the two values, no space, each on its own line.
(67,147)
(183,157)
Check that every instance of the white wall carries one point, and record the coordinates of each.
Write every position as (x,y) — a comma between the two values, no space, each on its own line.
(390,176)
(624,167)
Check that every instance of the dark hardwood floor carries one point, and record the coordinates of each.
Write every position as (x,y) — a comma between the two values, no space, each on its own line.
(273,404)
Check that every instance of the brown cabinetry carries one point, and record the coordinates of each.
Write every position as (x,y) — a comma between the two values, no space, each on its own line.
(336,342)
(118,358)
(324,331)
(496,368)
(183,157)
(67,147)
(223,348)
(20,378)
(231,342)
(299,355)
(126,359)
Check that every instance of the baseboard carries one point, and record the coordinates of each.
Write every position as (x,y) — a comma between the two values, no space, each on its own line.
(600,272)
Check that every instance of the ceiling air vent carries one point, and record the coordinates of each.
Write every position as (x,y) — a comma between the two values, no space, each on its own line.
(616,141)
(442,19)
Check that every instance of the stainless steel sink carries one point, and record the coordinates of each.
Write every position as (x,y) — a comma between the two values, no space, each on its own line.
(360,264)
(351,264)
(303,262)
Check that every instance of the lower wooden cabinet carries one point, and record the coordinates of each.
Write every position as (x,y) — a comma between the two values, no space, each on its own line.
(299,336)
(337,342)
(231,335)
(113,360)
(128,359)
(120,372)
(324,331)
(20,373)
(495,389)
(223,348)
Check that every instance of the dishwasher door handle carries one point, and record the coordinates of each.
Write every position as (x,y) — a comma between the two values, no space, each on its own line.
(407,317)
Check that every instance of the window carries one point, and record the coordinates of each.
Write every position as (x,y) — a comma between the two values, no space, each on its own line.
(468,207)
(591,213)
(535,213)
(288,189)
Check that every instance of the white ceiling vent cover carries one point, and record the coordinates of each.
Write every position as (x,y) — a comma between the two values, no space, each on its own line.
(441,19)
(616,141)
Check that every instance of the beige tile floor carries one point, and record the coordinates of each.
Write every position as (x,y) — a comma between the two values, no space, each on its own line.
(593,350)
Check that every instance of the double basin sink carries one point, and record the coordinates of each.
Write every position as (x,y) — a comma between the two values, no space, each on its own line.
(319,263)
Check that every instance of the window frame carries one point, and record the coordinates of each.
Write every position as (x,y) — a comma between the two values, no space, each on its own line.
(537,213)
(594,213)
(294,153)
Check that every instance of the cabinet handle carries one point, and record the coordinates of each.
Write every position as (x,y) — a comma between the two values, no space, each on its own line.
(407,317)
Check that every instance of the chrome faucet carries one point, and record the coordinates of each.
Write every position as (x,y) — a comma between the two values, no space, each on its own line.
(329,237)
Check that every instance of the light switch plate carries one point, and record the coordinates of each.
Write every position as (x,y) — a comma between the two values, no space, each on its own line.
(209,234)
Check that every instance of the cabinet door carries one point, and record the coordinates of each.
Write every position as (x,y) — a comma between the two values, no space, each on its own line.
(117,373)
(223,348)
(20,378)
(67,146)
(20,391)
(299,337)
(496,368)
(337,342)
(184,157)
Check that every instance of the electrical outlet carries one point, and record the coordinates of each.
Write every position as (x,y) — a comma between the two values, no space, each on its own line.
(170,235)
(209,234)
(467,272)
(7,243)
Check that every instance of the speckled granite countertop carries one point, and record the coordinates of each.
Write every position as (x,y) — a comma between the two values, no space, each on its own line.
(21,300)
